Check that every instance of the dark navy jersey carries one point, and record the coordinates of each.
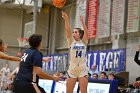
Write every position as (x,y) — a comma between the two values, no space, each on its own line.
(30,58)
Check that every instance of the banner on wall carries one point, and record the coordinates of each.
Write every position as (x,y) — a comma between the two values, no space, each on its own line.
(118,15)
(103,28)
(92,18)
(81,8)
(107,60)
(59,62)
(133,15)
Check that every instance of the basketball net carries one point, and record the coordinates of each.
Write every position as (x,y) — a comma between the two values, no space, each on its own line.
(22,42)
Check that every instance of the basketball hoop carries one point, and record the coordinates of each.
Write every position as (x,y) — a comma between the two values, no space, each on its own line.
(22,42)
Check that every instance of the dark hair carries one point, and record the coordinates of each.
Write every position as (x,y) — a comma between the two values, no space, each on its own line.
(103,73)
(1,41)
(81,32)
(35,40)
(89,74)
(112,74)
(95,74)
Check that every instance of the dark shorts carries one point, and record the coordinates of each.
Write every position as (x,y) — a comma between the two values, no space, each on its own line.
(26,87)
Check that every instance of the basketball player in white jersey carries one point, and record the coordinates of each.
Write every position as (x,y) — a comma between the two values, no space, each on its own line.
(5,71)
(77,43)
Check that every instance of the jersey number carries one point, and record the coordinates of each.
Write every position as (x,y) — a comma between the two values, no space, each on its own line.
(23,58)
(78,54)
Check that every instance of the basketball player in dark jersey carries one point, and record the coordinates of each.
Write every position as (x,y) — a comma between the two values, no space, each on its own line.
(30,68)
(137,60)
(137,56)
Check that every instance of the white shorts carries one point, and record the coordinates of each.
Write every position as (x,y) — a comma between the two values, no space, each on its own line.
(9,81)
(4,79)
(75,71)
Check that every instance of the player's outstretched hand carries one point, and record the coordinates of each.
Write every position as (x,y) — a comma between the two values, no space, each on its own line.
(136,84)
(64,15)
(57,78)
(46,59)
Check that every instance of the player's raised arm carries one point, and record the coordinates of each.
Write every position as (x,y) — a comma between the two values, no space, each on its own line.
(85,37)
(67,25)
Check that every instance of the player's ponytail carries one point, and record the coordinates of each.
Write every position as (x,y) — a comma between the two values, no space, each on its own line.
(81,34)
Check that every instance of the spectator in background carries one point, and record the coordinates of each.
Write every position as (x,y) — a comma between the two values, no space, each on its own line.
(103,75)
(137,56)
(56,74)
(137,60)
(95,76)
(94,69)
(111,76)
(62,75)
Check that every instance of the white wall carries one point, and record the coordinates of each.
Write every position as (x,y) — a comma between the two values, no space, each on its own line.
(11,29)
(131,66)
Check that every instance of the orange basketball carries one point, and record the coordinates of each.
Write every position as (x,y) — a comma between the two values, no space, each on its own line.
(59,3)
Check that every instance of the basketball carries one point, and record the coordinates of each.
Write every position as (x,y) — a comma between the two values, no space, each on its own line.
(59,3)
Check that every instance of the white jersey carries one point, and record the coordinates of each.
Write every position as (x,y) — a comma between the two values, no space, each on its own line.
(77,52)
(5,71)
(78,67)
